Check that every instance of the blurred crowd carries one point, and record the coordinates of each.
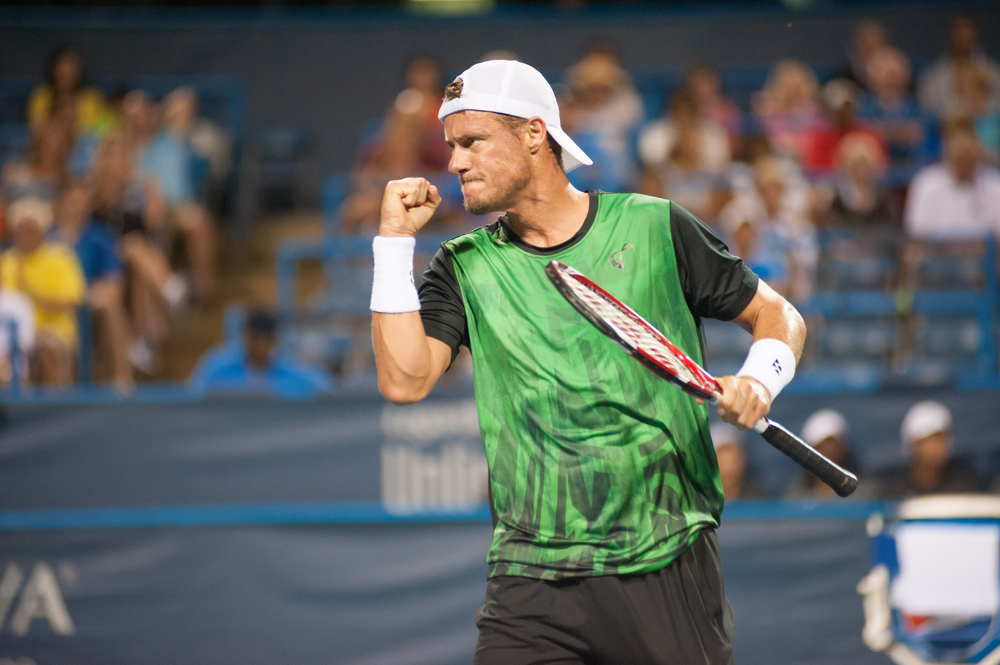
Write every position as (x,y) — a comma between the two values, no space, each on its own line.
(801,158)
(104,224)
(926,448)
(109,232)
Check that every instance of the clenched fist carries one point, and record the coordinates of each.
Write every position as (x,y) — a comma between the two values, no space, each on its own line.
(407,205)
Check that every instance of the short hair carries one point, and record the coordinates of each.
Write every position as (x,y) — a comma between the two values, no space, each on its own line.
(514,123)
(454,90)
(261,321)
(958,124)
(57,55)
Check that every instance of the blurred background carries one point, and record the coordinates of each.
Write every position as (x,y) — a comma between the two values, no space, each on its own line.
(196,464)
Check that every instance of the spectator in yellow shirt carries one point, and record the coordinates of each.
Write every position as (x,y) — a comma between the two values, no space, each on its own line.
(49,274)
(66,91)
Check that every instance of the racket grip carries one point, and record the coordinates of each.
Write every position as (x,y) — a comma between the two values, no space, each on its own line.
(842,481)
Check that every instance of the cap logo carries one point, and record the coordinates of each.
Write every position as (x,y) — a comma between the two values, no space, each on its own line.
(454,90)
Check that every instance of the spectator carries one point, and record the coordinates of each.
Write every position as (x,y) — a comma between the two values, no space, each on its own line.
(738,482)
(973,85)
(890,107)
(706,89)
(683,180)
(210,147)
(65,90)
(755,147)
(840,97)
(17,309)
(787,107)
(769,227)
(868,38)
(409,142)
(860,201)
(50,275)
(938,90)
(659,137)
(254,365)
(166,161)
(103,270)
(827,432)
(126,206)
(45,169)
(957,199)
(927,440)
(605,106)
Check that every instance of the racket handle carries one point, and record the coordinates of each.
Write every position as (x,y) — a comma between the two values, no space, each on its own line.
(842,481)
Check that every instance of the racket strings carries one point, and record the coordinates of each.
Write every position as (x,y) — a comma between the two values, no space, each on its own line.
(637,331)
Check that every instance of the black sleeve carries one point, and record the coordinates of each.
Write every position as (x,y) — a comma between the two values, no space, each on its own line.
(717,285)
(441,306)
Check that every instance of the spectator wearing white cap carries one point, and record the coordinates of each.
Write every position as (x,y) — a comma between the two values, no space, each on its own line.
(827,431)
(49,274)
(926,435)
(738,481)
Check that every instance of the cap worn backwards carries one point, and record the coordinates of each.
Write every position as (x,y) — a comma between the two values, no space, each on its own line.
(516,89)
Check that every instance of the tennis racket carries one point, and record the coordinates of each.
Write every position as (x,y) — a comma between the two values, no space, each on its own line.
(648,345)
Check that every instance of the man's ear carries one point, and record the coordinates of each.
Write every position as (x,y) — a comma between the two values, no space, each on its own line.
(536,135)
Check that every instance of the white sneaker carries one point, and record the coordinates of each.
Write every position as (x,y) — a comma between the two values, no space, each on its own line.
(142,355)
(175,293)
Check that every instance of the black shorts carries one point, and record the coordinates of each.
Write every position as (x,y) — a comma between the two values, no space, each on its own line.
(678,615)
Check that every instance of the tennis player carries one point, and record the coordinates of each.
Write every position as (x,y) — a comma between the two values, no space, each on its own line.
(603,479)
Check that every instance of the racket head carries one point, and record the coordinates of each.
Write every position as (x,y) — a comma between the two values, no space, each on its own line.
(633,333)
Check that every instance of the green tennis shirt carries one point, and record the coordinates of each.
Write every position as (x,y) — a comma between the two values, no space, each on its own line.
(597,466)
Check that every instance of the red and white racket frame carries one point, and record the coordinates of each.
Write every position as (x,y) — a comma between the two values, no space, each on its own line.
(680,370)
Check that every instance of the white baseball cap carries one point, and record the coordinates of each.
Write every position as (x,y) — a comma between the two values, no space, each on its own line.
(30,207)
(822,425)
(922,420)
(514,88)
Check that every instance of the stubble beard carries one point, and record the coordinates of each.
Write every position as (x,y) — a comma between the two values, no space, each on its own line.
(504,195)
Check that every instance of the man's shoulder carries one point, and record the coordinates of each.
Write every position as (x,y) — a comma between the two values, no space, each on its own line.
(226,356)
(470,239)
(613,203)
(57,254)
(933,175)
(287,369)
(990,177)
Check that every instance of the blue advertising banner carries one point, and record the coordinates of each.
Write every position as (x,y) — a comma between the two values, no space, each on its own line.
(352,531)
(387,593)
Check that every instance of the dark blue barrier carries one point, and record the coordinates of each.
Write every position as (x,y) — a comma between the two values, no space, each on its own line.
(246,451)
(351,531)
(377,592)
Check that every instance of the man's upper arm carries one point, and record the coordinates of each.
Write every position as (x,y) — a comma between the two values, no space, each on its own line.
(442,310)
(716,284)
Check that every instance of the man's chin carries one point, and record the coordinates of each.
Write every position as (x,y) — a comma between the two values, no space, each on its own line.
(480,207)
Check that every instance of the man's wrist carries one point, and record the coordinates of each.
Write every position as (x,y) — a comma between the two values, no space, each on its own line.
(393,291)
(390,232)
(771,362)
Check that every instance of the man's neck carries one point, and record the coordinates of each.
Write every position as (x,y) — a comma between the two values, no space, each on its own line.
(963,178)
(550,211)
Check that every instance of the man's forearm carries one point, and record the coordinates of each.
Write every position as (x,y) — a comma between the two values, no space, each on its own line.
(403,357)
(778,319)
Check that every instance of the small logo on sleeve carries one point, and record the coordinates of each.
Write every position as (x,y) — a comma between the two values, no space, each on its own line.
(777,367)
(618,259)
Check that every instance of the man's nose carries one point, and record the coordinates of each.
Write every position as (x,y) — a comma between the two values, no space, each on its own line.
(459,162)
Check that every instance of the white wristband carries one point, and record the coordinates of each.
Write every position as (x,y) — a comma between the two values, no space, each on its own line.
(771,362)
(393,291)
